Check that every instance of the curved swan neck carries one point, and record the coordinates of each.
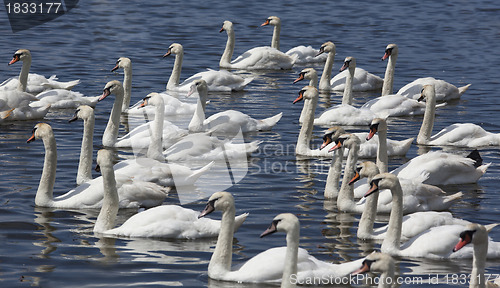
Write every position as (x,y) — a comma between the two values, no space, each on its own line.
(110,203)
(365,226)
(382,157)
(275,42)
(324,83)
(391,243)
(44,194)
(175,77)
(306,130)
(23,75)
(127,87)
(332,180)
(291,256)
(225,60)
(155,144)
(223,254)
(347,97)
(428,122)
(85,165)
(111,132)
(389,75)
(346,194)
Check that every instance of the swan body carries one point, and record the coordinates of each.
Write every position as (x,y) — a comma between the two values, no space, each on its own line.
(361,79)
(167,221)
(395,105)
(132,192)
(459,134)
(273,264)
(29,82)
(266,57)
(173,106)
(65,99)
(221,80)
(32,111)
(229,121)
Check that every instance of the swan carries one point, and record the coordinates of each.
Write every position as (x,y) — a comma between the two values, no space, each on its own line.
(85,113)
(444,90)
(477,234)
(111,132)
(65,99)
(29,82)
(132,192)
(34,110)
(229,121)
(272,265)
(382,263)
(9,100)
(436,242)
(266,57)
(126,64)
(345,113)
(301,53)
(458,134)
(361,79)
(221,80)
(416,197)
(396,105)
(166,221)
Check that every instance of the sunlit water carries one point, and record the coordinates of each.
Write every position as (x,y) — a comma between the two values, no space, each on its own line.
(456,41)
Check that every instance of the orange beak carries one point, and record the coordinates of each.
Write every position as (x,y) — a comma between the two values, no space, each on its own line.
(31,139)
(144,103)
(373,189)
(105,94)
(301,77)
(371,134)
(14,59)
(168,53)
(365,268)
(345,66)
(463,241)
(299,98)
(339,144)
(265,23)
(386,55)
(327,141)
(355,178)
(115,68)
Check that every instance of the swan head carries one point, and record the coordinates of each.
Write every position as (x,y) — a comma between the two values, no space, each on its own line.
(326,47)
(307,93)
(376,262)
(473,233)
(220,201)
(283,222)
(306,73)
(346,140)
(272,20)
(365,169)
(201,87)
(20,55)
(331,135)
(112,87)
(390,50)
(382,181)
(226,26)
(122,62)
(175,48)
(153,98)
(104,159)
(83,112)
(40,131)
(428,93)
(349,62)
(377,124)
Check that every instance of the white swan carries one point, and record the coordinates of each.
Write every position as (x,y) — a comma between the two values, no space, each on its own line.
(65,99)
(361,79)
(382,263)
(132,192)
(111,132)
(9,100)
(29,82)
(266,57)
(166,221)
(444,90)
(126,65)
(221,80)
(86,113)
(459,134)
(274,264)
(34,110)
(477,234)
(301,53)
(345,113)
(436,242)
(229,121)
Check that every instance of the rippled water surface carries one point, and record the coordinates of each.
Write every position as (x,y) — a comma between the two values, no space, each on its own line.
(456,41)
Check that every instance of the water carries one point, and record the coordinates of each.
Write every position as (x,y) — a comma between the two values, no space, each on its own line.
(451,40)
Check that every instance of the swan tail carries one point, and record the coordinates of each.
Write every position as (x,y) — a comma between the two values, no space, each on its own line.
(238,220)
(252,146)
(453,198)
(489,227)
(5,114)
(461,90)
(268,123)
(406,146)
(61,85)
(440,105)
(197,173)
(246,81)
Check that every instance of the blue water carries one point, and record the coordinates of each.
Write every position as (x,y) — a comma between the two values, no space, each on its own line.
(456,41)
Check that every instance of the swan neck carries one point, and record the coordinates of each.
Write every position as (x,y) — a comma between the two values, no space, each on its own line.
(333,178)
(225,60)
(23,75)
(291,257)
(478,263)
(382,158)
(44,194)
(220,262)
(110,203)
(367,220)
(306,130)
(347,97)
(428,122)
(127,87)
(155,148)
(345,201)
(275,42)
(85,164)
(389,75)
(197,122)
(111,132)
(391,243)
(324,83)
(386,278)
(175,77)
